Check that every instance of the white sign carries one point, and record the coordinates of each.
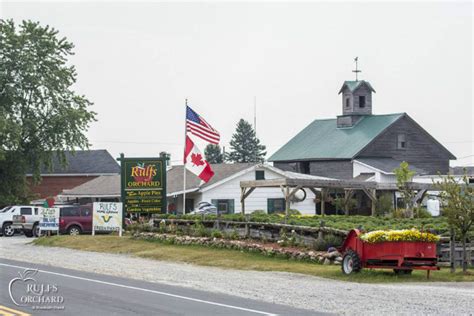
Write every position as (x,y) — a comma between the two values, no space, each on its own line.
(107,216)
(49,218)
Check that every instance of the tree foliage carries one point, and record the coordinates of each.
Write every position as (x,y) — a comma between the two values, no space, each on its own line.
(458,206)
(245,146)
(40,114)
(213,154)
(404,176)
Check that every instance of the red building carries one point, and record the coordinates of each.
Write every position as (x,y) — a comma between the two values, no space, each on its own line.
(82,166)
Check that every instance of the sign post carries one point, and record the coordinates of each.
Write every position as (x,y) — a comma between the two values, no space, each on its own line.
(143,185)
(107,216)
(49,220)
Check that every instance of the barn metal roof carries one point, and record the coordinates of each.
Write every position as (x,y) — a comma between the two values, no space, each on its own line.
(323,140)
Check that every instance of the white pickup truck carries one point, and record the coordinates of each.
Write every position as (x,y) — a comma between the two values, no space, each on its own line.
(30,216)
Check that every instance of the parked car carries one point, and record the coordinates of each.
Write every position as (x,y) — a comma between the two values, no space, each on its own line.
(205,208)
(6,218)
(75,219)
(28,221)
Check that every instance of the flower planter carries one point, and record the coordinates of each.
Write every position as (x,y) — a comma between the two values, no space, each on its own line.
(401,256)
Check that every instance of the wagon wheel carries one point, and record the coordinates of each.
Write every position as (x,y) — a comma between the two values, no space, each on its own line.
(351,262)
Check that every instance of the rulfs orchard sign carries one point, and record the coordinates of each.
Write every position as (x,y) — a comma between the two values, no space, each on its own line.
(107,217)
(143,184)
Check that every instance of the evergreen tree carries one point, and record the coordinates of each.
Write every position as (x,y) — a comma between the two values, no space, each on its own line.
(245,146)
(213,154)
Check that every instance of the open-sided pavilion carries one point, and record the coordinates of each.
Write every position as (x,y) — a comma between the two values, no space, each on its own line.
(321,187)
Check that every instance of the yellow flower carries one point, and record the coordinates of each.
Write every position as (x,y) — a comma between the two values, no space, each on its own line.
(398,235)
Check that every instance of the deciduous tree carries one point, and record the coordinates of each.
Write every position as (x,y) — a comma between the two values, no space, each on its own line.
(404,176)
(40,113)
(458,206)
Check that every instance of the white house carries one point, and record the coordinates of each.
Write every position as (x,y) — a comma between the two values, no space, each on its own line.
(224,189)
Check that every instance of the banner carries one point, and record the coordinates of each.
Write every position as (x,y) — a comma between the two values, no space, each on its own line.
(107,216)
(143,184)
(49,218)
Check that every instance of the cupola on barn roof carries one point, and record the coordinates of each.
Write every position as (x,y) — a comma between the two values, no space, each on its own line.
(354,85)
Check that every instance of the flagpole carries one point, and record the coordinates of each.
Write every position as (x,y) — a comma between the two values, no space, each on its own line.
(184,152)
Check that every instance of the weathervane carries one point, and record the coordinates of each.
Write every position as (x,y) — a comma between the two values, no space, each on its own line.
(356,70)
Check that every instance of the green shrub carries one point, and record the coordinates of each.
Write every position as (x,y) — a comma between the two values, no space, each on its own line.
(294,212)
(384,205)
(421,212)
(199,230)
(327,241)
(399,213)
(259,212)
(234,235)
(215,233)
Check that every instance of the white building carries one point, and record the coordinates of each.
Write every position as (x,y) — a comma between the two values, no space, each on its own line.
(224,189)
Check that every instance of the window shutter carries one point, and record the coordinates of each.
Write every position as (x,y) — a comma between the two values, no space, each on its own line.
(270,206)
(215,203)
(231,206)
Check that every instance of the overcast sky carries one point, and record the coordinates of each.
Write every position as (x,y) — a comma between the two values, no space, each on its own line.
(139,61)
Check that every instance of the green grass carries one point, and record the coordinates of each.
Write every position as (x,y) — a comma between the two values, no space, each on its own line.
(233,259)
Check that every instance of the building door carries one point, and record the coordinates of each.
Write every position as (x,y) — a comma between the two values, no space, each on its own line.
(189,205)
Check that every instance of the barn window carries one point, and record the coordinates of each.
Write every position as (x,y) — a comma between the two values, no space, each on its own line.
(362,101)
(401,141)
(304,167)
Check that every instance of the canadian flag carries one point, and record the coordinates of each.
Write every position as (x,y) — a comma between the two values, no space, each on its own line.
(194,162)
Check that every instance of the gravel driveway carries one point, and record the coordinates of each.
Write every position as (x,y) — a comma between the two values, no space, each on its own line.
(296,290)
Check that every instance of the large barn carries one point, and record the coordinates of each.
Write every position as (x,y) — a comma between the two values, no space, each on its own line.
(361,144)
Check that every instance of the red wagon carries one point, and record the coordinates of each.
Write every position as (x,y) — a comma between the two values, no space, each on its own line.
(401,256)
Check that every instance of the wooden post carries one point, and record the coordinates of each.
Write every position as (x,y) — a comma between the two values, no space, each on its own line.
(372,194)
(242,201)
(315,196)
(287,204)
(323,200)
(247,227)
(452,250)
(244,193)
(320,232)
(347,197)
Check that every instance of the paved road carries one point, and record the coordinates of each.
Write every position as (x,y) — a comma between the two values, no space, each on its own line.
(92,294)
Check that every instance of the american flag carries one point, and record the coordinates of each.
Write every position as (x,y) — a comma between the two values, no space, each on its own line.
(196,125)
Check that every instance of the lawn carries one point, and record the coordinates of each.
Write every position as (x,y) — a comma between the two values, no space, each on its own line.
(233,259)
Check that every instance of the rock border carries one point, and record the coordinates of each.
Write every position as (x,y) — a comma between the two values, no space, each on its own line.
(332,256)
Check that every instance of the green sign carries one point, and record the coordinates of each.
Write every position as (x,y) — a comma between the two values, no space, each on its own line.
(143,184)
